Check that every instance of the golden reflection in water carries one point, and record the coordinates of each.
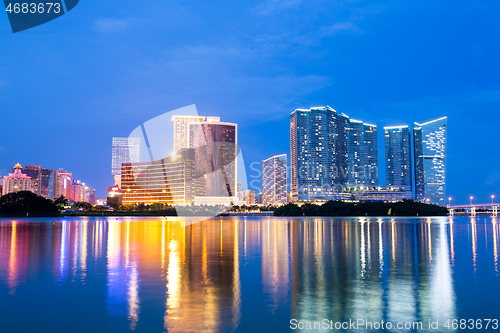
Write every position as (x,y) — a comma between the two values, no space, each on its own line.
(275,269)
(197,268)
(429,242)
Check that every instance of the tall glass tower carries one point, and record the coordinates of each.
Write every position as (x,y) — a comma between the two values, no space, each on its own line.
(124,150)
(398,156)
(430,160)
(274,180)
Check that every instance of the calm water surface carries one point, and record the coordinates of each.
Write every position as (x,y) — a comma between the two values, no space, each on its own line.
(244,274)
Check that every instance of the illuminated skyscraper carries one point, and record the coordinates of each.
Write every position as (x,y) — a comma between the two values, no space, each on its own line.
(430,139)
(181,130)
(398,156)
(215,143)
(64,180)
(362,154)
(17,181)
(274,180)
(313,153)
(330,151)
(124,150)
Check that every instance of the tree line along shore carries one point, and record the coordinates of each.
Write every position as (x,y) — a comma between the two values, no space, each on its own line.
(29,204)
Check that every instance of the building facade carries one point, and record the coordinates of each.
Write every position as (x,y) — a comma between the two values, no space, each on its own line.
(64,180)
(329,150)
(249,197)
(362,154)
(398,166)
(181,130)
(170,180)
(430,140)
(274,180)
(17,182)
(77,191)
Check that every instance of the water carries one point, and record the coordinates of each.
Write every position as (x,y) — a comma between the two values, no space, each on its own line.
(245,274)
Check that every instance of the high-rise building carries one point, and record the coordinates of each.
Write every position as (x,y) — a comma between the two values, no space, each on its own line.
(47,183)
(181,130)
(430,160)
(17,182)
(78,191)
(124,150)
(249,197)
(362,154)
(90,195)
(314,153)
(170,180)
(216,149)
(274,180)
(64,180)
(44,180)
(330,151)
(398,156)
(33,171)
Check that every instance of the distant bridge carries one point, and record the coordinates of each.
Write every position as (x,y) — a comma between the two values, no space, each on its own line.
(473,208)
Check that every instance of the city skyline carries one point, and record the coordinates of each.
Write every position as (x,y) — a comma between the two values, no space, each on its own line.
(374,61)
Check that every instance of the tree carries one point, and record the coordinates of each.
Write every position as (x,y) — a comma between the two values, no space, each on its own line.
(82,205)
(61,201)
(27,202)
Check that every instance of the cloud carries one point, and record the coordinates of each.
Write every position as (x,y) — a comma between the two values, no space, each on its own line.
(111,25)
(341,27)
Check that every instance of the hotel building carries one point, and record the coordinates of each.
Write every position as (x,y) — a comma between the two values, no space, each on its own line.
(274,180)
(17,182)
(170,180)
(430,139)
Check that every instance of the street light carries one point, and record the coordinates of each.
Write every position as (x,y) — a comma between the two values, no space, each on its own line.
(492,197)
(449,201)
(471,200)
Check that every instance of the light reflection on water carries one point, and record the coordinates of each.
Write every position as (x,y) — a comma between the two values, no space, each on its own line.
(243,274)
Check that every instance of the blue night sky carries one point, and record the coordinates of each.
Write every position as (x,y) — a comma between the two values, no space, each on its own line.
(106,67)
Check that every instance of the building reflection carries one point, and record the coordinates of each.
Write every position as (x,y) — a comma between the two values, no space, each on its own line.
(188,276)
(366,268)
